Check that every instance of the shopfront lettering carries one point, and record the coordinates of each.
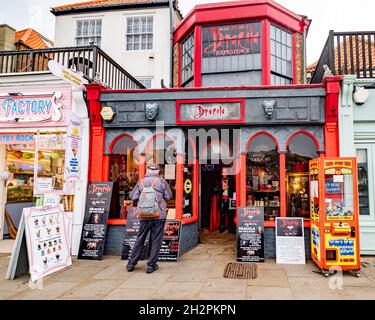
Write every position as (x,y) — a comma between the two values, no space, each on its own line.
(17,139)
(101,189)
(202,112)
(30,108)
(231,40)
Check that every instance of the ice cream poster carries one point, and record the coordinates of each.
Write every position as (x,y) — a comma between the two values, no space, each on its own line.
(47,240)
(73,149)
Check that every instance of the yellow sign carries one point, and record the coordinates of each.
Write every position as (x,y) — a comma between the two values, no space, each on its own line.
(107,113)
(188,186)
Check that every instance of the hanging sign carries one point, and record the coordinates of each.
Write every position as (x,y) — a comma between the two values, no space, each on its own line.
(210,112)
(290,241)
(73,150)
(31,108)
(94,231)
(68,75)
(250,234)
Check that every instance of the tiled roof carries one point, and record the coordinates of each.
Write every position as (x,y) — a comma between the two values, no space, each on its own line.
(105,3)
(353,45)
(32,39)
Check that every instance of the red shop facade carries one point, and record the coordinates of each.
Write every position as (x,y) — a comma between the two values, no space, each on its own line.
(239,80)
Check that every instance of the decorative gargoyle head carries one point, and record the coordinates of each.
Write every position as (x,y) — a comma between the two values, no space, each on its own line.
(269,108)
(152,110)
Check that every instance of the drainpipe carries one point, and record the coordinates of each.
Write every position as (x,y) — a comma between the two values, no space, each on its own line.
(171,43)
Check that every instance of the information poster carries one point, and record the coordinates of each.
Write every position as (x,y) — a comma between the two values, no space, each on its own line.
(132,229)
(94,230)
(47,240)
(250,234)
(290,241)
(73,149)
(170,246)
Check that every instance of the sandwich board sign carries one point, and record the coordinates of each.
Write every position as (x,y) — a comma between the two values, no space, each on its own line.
(42,244)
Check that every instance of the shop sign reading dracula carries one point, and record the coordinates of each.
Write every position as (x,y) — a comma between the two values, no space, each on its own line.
(31,108)
(189,112)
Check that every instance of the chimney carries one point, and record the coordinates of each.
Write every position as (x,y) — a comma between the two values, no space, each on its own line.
(7,38)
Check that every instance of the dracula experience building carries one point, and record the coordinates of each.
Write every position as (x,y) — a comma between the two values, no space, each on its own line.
(240,102)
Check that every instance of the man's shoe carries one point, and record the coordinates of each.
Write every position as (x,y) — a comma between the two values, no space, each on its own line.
(151,269)
(130,268)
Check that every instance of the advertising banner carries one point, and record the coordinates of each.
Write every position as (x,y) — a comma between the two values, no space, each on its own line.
(73,148)
(290,241)
(250,234)
(170,246)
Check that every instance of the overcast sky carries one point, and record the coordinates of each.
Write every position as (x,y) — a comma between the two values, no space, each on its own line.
(339,15)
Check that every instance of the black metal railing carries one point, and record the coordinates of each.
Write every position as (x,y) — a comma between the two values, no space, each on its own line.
(347,53)
(94,63)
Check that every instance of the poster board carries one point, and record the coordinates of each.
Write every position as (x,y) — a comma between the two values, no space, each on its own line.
(250,234)
(43,243)
(170,247)
(94,231)
(132,229)
(290,241)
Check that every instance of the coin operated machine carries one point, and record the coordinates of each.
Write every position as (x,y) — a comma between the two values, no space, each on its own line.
(334,214)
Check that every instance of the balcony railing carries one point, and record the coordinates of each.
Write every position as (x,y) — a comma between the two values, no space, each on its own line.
(347,53)
(94,63)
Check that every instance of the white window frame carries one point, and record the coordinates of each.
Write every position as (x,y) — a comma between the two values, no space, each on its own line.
(87,19)
(139,16)
(151,79)
(369,220)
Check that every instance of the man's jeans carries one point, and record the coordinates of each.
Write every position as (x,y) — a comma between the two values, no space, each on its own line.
(156,229)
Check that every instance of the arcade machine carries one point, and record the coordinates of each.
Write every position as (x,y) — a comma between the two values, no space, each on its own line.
(334,214)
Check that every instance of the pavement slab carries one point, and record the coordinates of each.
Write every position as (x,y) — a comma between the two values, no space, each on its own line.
(269,293)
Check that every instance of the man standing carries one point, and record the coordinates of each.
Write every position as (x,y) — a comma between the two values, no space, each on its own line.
(154,226)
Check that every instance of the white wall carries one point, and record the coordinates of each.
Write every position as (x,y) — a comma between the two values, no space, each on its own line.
(137,63)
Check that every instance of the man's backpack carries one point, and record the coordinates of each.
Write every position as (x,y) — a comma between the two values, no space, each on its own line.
(148,206)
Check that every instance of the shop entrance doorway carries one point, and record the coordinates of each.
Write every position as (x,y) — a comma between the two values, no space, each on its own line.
(217,198)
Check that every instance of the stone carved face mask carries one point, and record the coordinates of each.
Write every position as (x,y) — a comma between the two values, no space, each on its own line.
(269,108)
(152,110)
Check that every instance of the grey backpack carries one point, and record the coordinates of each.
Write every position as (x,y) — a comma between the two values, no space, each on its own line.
(148,206)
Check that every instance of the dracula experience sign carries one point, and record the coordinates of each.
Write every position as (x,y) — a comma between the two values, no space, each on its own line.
(231,40)
(98,204)
(250,234)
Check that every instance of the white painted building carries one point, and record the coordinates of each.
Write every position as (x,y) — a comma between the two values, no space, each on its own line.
(136,34)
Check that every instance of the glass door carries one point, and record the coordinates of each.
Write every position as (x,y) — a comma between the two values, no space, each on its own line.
(366,157)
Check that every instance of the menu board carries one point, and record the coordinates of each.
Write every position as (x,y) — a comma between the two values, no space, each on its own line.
(250,234)
(47,239)
(170,246)
(94,231)
(132,229)
(290,241)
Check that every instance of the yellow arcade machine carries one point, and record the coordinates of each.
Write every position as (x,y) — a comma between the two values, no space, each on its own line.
(334,215)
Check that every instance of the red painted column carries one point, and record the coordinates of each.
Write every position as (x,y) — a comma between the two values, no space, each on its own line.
(196,189)
(198,57)
(142,166)
(266,52)
(242,194)
(331,127)
(97,135)
(282,163)
(179,186)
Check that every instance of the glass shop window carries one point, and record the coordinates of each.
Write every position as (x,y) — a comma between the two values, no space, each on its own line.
(124,173)
(363,183)
(163,152)
(281,57)
(187,67)
(300,150)
(263,176)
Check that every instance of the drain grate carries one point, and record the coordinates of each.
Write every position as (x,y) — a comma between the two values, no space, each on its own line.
(240,270)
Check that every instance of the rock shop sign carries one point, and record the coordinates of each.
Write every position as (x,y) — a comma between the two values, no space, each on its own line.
(191,112)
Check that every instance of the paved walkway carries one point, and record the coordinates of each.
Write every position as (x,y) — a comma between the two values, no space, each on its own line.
(199,275)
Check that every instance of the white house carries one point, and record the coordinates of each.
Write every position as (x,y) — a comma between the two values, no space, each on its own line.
(134,33)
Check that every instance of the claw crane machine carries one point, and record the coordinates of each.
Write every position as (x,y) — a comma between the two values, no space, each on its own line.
(334,214)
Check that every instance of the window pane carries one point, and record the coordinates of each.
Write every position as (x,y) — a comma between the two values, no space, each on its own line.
(363,187)
(129,25)
(85,28)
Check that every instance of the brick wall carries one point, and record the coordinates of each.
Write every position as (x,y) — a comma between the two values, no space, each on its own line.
(175,65)
(299,60)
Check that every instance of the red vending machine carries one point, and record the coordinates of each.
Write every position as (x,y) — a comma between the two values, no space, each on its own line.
(334,214)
